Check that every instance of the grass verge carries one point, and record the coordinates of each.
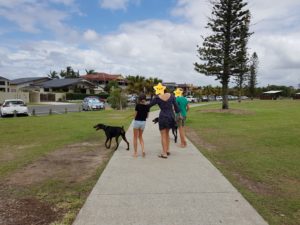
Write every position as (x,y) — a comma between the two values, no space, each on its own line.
(256,146)
(52,161)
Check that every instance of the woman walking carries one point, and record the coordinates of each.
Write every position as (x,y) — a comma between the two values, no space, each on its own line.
(166,120)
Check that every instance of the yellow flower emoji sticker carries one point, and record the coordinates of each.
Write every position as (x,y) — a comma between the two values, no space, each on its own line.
(159,89)
(178,92)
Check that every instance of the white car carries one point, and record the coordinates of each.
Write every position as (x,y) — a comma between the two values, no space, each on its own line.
(191,98)
(219,98)
(12,107)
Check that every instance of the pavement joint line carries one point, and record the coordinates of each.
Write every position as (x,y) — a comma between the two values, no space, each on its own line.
(172,193)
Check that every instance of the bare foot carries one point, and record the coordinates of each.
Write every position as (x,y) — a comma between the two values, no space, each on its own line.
(144,154)
(135,155)
(183,145)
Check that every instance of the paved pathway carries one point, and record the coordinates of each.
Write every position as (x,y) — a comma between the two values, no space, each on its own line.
(185,189)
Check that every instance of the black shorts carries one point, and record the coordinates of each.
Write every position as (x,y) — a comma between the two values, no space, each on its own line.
(166,123)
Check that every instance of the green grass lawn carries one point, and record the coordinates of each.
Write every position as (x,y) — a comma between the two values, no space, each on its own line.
(26,140)
(258,150)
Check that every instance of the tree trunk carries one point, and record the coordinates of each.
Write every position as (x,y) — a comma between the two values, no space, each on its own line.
(225,95)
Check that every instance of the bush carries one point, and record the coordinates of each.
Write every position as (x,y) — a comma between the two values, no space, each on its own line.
(117,99)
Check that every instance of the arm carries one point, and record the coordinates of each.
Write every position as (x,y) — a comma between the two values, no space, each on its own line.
(135,112)
(153,102)
(187,107)
(176,107)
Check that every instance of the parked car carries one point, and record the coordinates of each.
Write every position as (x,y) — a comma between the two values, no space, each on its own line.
(92,103)
(191,98)
(219,98)
(12,107)
(204,98)
(244,97)
(131,98)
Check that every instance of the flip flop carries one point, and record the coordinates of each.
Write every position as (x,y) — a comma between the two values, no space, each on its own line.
(162,156)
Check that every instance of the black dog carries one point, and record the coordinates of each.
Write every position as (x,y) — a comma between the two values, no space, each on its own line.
(174,128)
(112,132)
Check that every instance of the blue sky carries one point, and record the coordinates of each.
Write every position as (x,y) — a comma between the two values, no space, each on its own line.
(138,37)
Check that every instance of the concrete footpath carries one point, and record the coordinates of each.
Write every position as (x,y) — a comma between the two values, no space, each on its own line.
(185,189)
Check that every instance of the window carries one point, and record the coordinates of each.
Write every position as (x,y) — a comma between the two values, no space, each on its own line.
(2,82)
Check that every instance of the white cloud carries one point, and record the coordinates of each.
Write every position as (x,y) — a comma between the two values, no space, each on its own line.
(159,48)
(90,35)
(116,4)
(35,16)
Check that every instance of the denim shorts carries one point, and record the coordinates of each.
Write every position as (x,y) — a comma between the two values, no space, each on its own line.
(139,124)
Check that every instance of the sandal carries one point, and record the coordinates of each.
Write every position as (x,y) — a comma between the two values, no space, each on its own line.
(162,156)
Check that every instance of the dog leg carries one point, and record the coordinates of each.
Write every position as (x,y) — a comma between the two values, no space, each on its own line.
(174,131)
(117,140)
(109,142)
(107,139)
(124,138)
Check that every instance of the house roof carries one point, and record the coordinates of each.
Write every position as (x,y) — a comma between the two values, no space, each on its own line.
(3,78)
(102,77)
(26,80)
(272,92)
(58,83)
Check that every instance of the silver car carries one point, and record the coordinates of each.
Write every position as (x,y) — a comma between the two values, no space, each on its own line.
(13,107)
(92,103)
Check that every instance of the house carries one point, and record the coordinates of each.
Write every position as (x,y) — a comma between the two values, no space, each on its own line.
(100,80)
(270,95)
(55,90)
(6,91)
(297,96)
(187,88)
(4,84)
(170,85)
(26,84)
(39,89)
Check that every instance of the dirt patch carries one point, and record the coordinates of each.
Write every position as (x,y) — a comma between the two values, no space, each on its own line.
(71,164)
(28,211)
(198,140)
(74,163)
(229,111)
(256,187)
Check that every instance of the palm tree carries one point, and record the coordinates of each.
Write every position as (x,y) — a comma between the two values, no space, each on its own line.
(150,83)
(90,71)
(136,84)
(53,75)
(69,73)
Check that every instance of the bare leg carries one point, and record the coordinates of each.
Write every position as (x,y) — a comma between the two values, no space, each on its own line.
(168,141)
(135,137)
(182,136)
(142,142)
(164,141)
